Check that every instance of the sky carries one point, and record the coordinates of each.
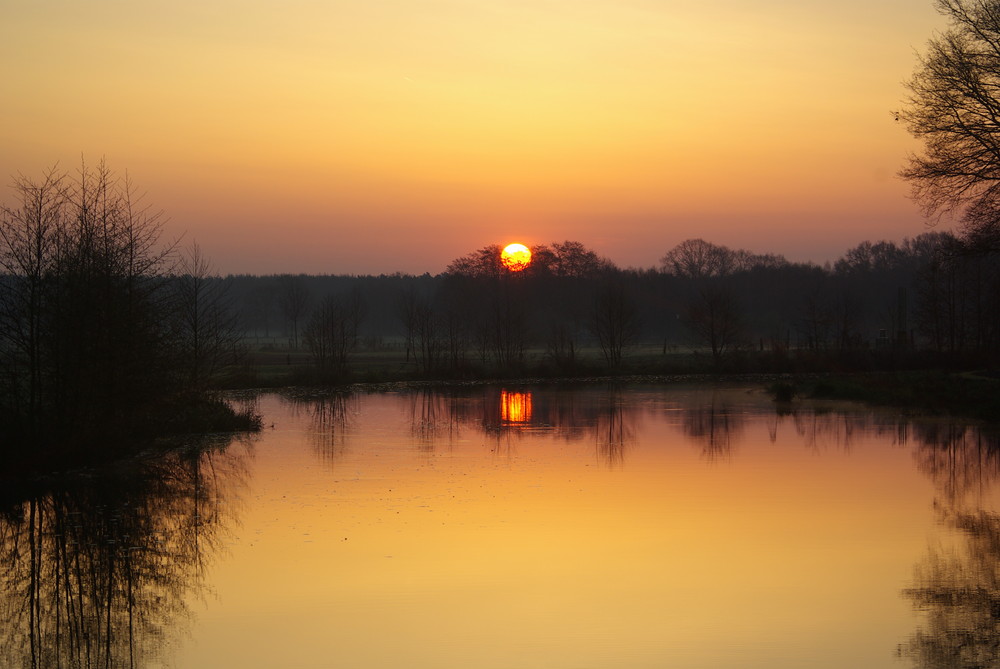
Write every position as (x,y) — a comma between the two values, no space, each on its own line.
(381,136)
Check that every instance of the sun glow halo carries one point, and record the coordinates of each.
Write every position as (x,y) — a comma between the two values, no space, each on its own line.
(515,257)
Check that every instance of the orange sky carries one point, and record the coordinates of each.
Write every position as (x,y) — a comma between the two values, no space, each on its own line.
(389,135)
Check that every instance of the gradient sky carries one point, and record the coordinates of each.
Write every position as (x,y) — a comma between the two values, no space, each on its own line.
(371,136)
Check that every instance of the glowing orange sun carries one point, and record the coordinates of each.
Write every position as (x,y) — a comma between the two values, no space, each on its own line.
(515,257)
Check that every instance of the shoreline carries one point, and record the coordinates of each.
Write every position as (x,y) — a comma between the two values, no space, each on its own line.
(964,395)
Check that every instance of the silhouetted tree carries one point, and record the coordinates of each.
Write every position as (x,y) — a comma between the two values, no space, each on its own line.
(696,259)
(294,302)
(614,321)
(408,319)
(846,313)
(817,320)
(507,324)
(331,335)
(558,259)
(880,256)
(207,324)
(953,109)
(31,233)
(482,263)
(715,317)
(85,318)
(568,259)
(455,334)
(427,338)
(561,346)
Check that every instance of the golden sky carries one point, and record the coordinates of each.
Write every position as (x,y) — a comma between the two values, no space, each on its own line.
(370,136)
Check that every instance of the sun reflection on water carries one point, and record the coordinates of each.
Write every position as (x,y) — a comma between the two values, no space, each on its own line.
(515,407)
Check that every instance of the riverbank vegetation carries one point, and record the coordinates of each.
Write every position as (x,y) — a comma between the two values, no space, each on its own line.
(924,392)
(103,341)
(108,335)
(914,317)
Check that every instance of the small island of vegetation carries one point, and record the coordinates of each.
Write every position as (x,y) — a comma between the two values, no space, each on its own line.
(101,327)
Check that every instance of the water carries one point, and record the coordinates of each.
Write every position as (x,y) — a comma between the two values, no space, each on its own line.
(522,527)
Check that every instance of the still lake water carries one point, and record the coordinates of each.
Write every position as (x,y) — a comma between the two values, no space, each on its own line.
(493,527)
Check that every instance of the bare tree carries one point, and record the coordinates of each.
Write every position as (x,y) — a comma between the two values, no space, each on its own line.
(207,324)
(953,108)
(697,259)
(83,320)
(560,346)
(482,263)
(846,312)
(715,317)
(614,321)
(30,233)
(294,302)
(332,333)
(427,335)
(508,327)
(882,256)
(407,315)
(568,259)
(817,319)
(455,332)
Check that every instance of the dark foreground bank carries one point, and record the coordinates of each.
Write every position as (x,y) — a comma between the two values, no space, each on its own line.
(177,423)
(969,394)
(974,395)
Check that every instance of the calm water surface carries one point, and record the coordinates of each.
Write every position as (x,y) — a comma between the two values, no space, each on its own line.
(522,527)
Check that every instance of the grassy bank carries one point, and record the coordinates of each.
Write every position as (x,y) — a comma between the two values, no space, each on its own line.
(172,424)
(920,382)
(914,380)
(272,367)
(967,394)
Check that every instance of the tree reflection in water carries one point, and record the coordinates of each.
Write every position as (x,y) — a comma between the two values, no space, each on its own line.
(960,459)
(960,592)
(821,427)
(956,587)
(615,428)
(99,568)
(504,414)
(959,587)
(715,424)
(434,416)
(330,416)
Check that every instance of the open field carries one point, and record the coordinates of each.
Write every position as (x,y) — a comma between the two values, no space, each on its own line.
(907,380)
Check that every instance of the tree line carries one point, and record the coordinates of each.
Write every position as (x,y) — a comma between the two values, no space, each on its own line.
(572,311)
(102,326)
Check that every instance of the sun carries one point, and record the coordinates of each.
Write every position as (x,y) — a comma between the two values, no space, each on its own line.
(515,257)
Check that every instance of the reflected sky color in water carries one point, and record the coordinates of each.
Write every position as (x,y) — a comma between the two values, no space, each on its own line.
(600,527)
(101,567)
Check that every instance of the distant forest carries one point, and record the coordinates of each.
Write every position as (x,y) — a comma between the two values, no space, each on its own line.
(103,325)
(935,294)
